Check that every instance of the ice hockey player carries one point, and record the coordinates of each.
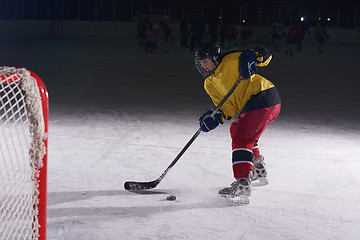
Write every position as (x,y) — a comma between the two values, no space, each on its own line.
(255,99)
(291,37)
(321,34)
(151,36)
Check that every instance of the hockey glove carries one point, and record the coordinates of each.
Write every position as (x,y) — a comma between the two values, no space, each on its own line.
(208,123)
(262,55)
(247,65)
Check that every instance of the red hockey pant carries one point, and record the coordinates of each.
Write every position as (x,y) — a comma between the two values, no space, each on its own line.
(245,132)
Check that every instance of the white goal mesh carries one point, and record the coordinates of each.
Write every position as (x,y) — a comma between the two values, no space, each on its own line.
(23,147)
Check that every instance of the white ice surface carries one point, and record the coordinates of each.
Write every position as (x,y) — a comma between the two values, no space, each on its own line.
(118,114)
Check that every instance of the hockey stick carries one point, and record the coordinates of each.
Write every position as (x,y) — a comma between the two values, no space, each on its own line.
(136,186)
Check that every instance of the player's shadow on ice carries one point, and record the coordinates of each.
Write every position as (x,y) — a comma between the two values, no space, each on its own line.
(131,207)
(72,196)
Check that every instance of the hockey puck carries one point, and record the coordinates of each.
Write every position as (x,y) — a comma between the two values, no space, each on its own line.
(171,198)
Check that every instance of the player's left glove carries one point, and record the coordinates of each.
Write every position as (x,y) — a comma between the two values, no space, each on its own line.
(208,123)
(247,65)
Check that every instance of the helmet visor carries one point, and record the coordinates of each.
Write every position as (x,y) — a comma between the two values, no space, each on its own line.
(206,66)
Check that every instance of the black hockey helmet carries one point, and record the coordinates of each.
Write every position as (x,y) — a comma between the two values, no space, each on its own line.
(210,51)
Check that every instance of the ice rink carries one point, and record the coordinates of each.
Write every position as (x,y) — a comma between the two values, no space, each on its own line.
(119,114)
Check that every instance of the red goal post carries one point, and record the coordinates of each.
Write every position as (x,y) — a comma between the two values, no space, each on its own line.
(24,116)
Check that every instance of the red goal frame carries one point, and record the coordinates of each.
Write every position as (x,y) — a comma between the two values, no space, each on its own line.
(42,178)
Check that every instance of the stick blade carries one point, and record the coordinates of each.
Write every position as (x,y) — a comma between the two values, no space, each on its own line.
(139,186)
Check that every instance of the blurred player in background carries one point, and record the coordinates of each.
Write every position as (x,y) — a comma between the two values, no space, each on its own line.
(321,34)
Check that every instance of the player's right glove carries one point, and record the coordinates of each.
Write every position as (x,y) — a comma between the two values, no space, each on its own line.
(208,123)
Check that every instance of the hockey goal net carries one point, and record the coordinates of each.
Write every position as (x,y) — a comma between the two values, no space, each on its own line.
(23,154)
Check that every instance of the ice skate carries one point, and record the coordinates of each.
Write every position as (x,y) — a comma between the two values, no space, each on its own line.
(238,192)
(259,177)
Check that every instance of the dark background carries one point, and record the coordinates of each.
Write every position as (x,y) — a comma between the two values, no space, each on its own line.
(344,14)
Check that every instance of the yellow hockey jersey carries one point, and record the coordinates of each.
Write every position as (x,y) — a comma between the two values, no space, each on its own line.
(251,94)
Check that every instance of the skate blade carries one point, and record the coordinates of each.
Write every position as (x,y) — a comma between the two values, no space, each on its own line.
(240,200)
(237,200)
(260,182)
